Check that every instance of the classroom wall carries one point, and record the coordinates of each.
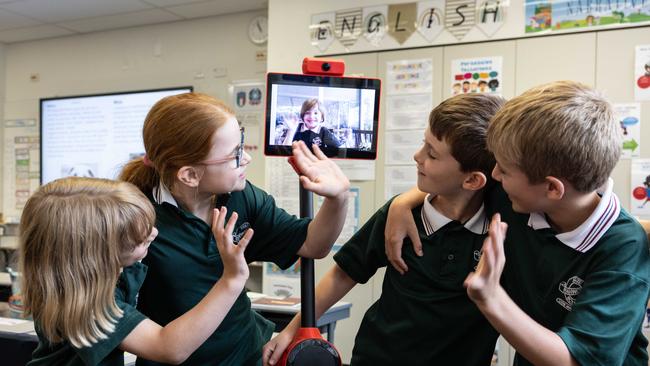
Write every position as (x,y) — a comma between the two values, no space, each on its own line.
(604,59)
(2,105)
(148,57)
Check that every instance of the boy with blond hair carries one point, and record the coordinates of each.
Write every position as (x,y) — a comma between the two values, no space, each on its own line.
(576,282)
(430,303)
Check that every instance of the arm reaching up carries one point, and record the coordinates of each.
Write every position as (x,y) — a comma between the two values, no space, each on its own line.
(323,177)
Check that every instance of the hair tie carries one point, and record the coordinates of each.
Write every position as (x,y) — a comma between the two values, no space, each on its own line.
(146,161)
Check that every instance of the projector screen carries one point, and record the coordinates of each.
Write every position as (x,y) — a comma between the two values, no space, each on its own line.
(94,135)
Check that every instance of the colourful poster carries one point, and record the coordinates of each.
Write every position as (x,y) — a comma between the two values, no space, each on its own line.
(538,16)
(629,118)
(571,14)
(640,188)
(476,75)
(642,73)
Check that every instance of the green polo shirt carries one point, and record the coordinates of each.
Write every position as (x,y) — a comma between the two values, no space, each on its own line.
(106,351)
(590,286)
(184,264)
(423,317)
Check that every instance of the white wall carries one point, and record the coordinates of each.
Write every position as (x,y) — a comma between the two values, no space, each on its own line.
(2,104)
(156,56)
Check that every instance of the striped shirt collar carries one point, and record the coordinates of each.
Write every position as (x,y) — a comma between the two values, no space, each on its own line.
(432,220)
(162,194)
(585,236)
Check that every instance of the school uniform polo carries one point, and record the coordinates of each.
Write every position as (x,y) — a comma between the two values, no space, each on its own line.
(324,138)
(184,264)
(590,285)
(106,351)
(423,317)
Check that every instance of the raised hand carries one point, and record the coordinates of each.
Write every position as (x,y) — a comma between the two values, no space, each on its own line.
(232,255)
(483,284)
(319,174)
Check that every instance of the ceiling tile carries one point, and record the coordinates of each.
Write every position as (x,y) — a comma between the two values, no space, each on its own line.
(11,20)
(216,7)
(169,2)
(33,33)
(134,19)
(51,11)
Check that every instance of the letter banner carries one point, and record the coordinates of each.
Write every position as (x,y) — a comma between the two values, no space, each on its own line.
(348,26)
(375,23)
(459,17)
(431,16)
(321,30)
(490,15)
(401,21)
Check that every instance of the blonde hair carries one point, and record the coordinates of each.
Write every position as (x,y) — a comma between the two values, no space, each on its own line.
(72,233)
(562,129)
(177,132)
(308,104)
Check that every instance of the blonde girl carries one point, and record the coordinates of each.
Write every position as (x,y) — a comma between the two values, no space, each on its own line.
(81,240)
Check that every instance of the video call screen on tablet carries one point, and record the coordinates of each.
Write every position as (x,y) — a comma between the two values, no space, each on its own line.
(338,114)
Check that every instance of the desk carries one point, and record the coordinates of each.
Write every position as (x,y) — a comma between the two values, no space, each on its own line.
(18,341)
(282,315)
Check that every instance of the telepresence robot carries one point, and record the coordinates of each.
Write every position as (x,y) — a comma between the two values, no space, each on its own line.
(308,347)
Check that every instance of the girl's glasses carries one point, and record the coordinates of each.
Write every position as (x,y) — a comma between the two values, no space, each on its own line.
(237,156)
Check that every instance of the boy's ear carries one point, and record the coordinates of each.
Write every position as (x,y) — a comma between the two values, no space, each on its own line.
(555,188)
(475,181)
(189,176)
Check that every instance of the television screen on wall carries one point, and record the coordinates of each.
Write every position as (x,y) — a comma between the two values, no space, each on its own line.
(94,135)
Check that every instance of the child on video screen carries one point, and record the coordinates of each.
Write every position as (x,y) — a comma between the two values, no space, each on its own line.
(310,128)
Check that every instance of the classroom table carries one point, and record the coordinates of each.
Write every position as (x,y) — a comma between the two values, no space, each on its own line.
(282,315)
(17,342)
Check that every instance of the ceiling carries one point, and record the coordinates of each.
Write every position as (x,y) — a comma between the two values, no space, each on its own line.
(27,20)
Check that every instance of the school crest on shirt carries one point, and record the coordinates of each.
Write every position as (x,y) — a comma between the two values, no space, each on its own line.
(317,141)
(477,257)
(570,289)
(238,232)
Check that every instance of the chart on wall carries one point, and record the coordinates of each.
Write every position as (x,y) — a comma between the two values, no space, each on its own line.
(21,161)
(477,75)
(629,118)
(640,188)
(642,73)
(248,102)
(409,89)
(351,224)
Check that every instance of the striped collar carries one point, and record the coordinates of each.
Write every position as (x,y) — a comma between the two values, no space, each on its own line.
(585,236)
(432,220)
(162,194)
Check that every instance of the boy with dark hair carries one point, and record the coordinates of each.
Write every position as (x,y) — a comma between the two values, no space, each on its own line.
(430,303)
(576,282)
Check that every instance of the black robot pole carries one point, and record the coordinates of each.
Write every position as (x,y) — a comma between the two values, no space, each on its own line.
(307,307)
